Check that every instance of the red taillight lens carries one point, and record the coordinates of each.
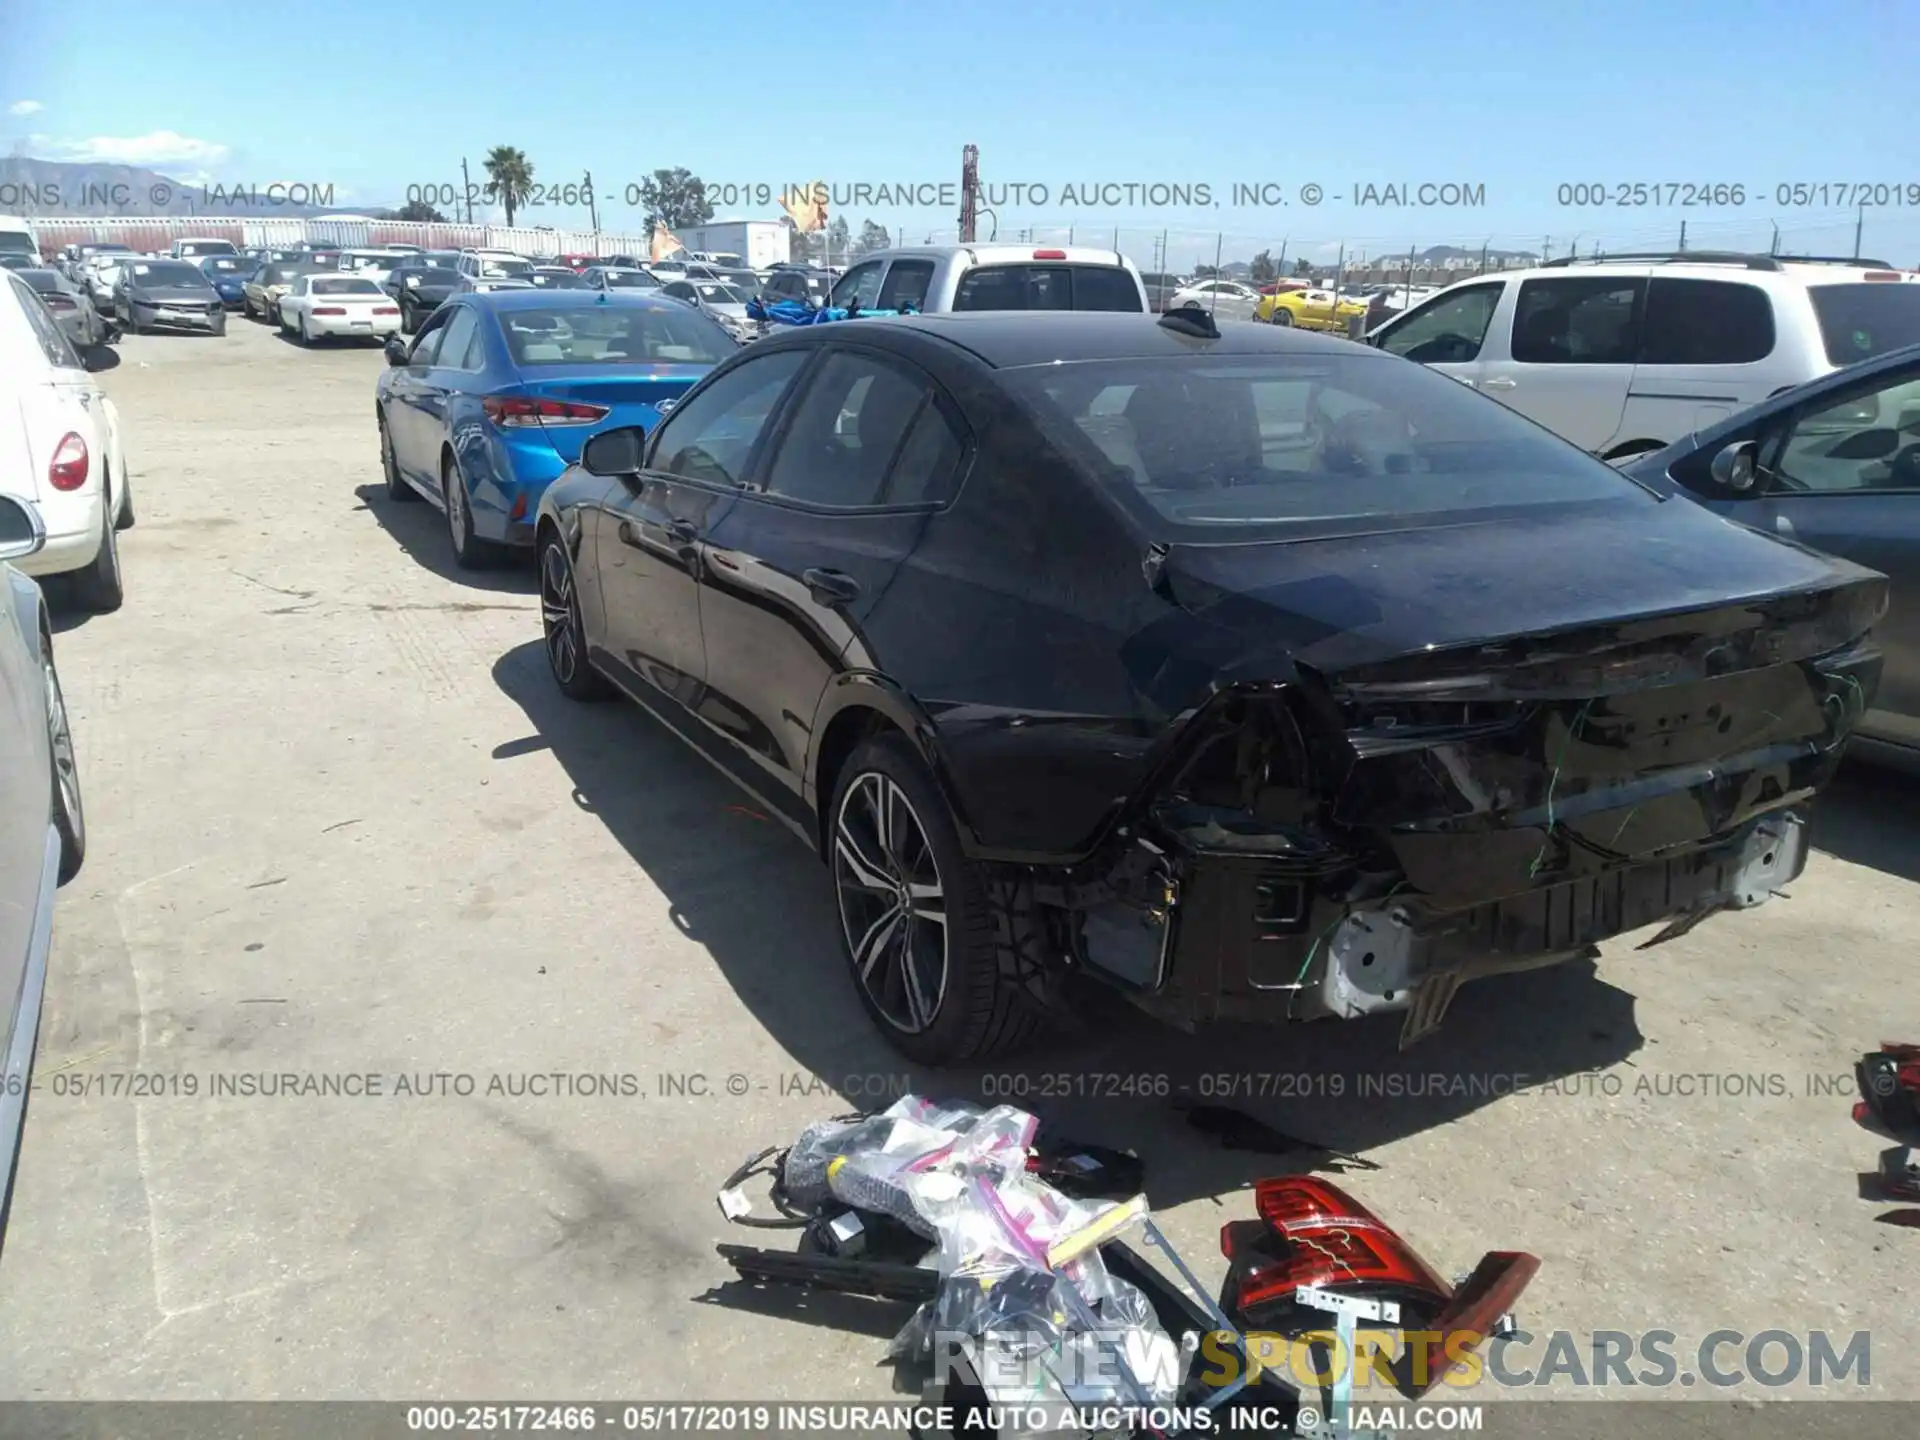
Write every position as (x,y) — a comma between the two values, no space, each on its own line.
(386,309)
(1049,254)
(1883,275)
(514,411)
(68,469)
(1313,1233)
(58,302)
(329,310)
(1326,1237)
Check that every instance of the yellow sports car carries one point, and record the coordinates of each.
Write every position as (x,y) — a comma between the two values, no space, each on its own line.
(1309,309)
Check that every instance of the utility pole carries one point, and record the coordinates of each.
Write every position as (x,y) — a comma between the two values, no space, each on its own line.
(466,188)
(969,193)
(1683,236)
(1774,247)
(1859,224)
(593,208)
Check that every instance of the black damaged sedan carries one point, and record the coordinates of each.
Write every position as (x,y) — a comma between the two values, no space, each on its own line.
(1256,673)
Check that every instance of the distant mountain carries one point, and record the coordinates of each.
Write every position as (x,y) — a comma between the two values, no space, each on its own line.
(1442,254)
(57,189)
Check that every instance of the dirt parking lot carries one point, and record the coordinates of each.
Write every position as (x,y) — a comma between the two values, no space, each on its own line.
(342,826)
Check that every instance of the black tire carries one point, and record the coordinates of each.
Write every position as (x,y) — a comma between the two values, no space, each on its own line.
(124,517)
(69,814)
(562,627)
(470,552)
(409,321)
(100,587)
(1280,316)
(398,489)
(300,332)
(220,328)
(996,960)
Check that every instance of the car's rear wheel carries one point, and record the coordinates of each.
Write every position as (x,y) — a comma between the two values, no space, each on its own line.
(1281,317)
(99,587)
(564,627)
(306,335)
(951,960)
(69,815)
(397,487)
(470,552)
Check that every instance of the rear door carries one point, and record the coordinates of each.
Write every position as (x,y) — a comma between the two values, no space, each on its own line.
(1568,359)
(793,570)
(1706,350)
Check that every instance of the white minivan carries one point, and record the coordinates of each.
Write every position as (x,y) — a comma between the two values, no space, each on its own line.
(17,237)
(1626,355)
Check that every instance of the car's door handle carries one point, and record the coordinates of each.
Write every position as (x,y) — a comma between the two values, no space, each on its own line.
(831,587)
(1498,382)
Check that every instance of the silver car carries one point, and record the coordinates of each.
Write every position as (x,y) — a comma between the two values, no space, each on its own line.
(725,304)
(43,834)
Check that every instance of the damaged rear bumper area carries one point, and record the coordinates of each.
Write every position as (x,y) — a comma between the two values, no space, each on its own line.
(1337,845)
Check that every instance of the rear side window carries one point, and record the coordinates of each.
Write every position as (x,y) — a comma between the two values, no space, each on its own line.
(1048,287)
(1580,320)
(1706,322)
(1858,322)
(852,422)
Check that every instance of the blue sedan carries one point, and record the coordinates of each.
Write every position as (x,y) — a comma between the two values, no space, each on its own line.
(498,390)
(229,275)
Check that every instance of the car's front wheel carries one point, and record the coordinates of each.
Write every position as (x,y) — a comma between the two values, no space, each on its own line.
(1281,317)
(397,487)
(951,960)
(564,628)
(470,552)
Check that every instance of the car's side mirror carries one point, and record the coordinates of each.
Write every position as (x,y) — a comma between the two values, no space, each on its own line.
(396,351)
(21,531)
(1732,469)
(613,453)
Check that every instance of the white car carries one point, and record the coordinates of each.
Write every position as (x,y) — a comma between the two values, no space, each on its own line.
(484,270)
(100,274)
(1223,299)
(376,265)
(327,304)
(60,451)
(198,247)
(938,279)
(1625,354)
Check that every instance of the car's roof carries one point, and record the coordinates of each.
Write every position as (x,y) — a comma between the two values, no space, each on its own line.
(1010,338)
(534,298)
(1003,254)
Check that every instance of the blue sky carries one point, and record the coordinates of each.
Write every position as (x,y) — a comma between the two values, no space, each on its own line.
(375,97)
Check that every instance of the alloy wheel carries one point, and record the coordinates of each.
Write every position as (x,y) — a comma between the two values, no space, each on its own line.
(892,903)
(66,774)
(456,497)
(558,616)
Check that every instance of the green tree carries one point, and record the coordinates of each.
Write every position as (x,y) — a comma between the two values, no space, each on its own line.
(839,242)
(1302,268)
(674,198)
(872,237)
(511,174)
(1264,271)
(420,212)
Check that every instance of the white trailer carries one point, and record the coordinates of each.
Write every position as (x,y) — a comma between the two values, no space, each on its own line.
(759,243)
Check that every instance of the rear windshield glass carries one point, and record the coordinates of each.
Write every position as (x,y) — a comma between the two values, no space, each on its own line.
(1861,321)
(1283,440)
(494,268)
(226,264)
(1048,287)
(345,285)
(557,280)
(631,280)
(615,335)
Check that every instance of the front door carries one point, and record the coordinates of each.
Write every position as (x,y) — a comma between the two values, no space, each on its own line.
(1448,333)
(795,569)
(648,543)
(1567,361)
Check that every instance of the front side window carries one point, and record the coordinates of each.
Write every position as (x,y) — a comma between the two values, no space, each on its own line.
(907,284)
(1578,320)
(1282,443)
(1869,440)
(848,433)
(860,286)
(1447,331)
(711,436)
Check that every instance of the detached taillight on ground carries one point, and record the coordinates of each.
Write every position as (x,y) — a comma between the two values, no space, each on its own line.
(1311,1233)
(329,310)
(516,411)
(68,468)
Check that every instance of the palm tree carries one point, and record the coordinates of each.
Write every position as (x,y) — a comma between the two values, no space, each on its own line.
(512,175)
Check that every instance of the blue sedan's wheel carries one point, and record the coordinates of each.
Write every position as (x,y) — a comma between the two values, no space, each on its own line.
(397,487)
(470,552)
(561,624)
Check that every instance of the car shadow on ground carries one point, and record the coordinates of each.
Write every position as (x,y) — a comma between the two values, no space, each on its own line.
(1870,815)
(101,358)
(757,898)
(421,531)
